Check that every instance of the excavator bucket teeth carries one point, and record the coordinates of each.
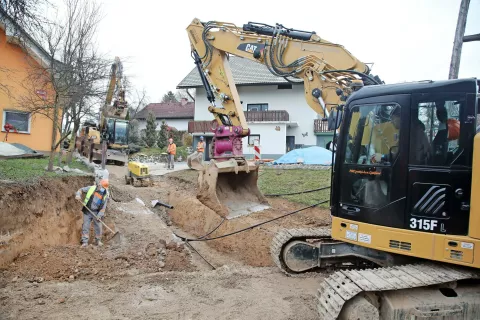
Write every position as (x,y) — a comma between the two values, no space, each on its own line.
(194,161)
(231,190)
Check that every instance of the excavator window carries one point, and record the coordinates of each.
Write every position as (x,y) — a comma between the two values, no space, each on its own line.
(435,130)
(373,143)
(121,132)
(374,133)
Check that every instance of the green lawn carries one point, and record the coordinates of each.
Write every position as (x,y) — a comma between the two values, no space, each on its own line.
(30,169)
(277,181)
(181,151)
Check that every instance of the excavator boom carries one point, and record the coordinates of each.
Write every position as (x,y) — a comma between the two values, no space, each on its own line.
(329,72)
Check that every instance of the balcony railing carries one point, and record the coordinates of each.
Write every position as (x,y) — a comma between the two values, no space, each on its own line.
(251,116)
(201,126)
(273,115)
(320,126)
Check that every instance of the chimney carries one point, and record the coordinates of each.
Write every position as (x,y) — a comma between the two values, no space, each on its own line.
(183,101)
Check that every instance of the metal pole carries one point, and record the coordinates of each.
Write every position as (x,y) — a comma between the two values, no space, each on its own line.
(472,37)
(458,41)
(104,153)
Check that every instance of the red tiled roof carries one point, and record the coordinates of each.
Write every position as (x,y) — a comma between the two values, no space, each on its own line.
(168,110)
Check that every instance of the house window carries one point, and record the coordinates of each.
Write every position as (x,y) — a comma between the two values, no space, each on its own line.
(257,107)
(20,120)
(252,138)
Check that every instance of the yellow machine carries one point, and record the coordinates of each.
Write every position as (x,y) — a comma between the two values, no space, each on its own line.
(138,175)
(405,218)
(113,126)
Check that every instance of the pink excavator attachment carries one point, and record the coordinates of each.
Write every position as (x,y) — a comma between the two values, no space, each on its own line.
(228,183)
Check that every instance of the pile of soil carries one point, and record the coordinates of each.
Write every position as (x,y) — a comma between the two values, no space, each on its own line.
(71,262)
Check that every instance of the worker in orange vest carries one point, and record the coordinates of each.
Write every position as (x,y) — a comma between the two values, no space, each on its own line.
(172,151)
(201,147)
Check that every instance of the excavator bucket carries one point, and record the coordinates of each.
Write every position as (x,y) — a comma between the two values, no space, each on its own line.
(231,189)
(194,161)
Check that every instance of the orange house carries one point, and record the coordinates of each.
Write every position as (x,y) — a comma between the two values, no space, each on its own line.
(23,84)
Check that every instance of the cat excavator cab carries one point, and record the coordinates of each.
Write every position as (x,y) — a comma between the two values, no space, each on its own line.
(404,241)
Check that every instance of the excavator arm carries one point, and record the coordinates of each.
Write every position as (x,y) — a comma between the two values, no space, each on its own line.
(329,72)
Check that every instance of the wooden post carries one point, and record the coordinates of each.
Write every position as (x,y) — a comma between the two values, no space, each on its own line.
(90,151)
(458,41)
(104,153)
(82,145)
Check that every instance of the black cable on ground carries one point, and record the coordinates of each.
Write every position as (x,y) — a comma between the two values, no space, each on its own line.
(221,222)
(254,226)
(190,246)
(293,193)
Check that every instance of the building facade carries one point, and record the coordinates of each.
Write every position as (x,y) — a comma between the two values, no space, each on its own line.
(276,111)
(21,58)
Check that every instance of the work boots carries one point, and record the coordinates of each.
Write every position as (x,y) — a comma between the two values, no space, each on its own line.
(98,243)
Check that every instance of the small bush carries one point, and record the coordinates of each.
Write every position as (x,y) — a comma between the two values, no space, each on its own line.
(187,139)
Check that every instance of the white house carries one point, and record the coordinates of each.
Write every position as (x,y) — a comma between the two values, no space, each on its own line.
(276,111)
(175,114)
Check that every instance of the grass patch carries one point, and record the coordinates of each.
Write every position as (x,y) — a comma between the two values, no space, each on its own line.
(30,169)
(151,151)
(181,152)
(277,181)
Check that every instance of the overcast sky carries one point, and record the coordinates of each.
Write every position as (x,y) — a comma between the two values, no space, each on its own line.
(406,40)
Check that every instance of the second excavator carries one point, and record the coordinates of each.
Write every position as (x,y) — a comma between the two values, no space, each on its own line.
(404,238)
(112,120)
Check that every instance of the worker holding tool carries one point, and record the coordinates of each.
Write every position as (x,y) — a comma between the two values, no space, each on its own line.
(171,150)
(95,203)
(201,147)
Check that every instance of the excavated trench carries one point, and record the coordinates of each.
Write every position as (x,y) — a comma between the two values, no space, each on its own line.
(251,247)
(39,214)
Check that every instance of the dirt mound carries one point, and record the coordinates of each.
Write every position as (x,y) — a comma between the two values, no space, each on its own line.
(251,247)
(39,214)
(63,262)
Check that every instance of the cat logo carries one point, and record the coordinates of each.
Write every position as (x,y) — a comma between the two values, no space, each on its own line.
(251,47)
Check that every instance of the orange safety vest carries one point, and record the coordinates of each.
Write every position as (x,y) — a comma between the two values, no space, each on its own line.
(200,146)
(172,149)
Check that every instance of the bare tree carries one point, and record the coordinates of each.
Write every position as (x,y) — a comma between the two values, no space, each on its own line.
(75,72)
(138,101)
(185,94)
(29,14)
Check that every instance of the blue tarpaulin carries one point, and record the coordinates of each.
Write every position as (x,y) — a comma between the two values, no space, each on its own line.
(311,155)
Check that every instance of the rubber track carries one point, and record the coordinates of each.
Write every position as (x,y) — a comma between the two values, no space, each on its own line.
(287,235)
(343,285)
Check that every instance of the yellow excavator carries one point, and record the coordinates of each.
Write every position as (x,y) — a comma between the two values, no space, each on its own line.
(112,125)
(404,242)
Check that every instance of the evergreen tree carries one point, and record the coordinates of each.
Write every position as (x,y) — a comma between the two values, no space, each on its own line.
(169,97)
(163,135)
(150,131)
(133,132)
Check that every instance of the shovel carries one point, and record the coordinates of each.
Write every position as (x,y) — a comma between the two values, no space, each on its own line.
(116,235)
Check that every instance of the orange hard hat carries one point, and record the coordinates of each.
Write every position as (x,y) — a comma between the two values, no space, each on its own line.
(453,129)
(104,183)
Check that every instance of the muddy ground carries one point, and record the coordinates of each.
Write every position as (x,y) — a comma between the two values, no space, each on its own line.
(150,273)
